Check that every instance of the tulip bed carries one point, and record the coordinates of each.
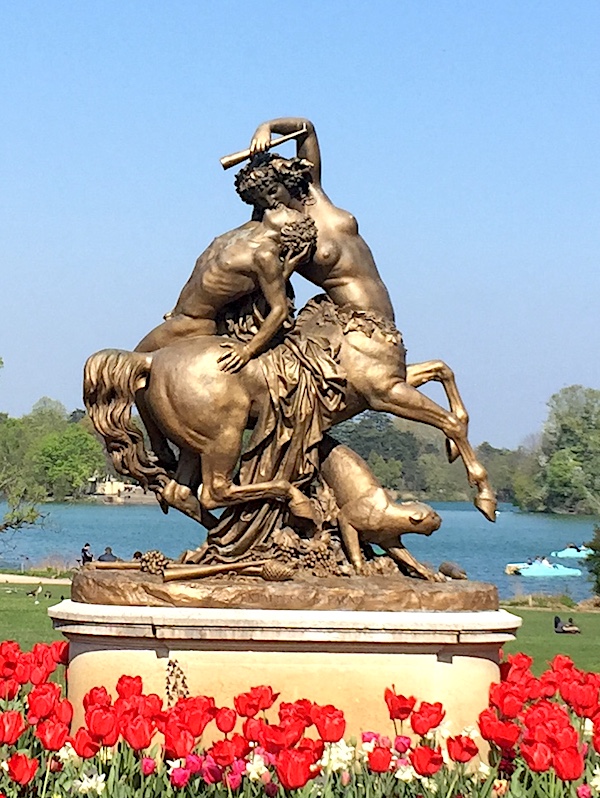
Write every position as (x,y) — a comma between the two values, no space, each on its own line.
(543,733)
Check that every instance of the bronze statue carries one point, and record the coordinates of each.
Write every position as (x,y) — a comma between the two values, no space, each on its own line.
(230,358)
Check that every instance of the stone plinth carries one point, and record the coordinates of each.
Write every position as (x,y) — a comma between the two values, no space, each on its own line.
(344,658)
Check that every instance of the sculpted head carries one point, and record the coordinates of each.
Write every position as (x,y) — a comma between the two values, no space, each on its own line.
(269,180)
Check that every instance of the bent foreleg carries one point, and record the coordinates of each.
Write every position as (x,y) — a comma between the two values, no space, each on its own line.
(418,374)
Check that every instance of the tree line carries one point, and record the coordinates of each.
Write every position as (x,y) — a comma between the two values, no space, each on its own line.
(45,454)
(557,470)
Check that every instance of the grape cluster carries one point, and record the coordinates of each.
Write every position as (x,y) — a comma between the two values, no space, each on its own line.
(318,557)
(154,562)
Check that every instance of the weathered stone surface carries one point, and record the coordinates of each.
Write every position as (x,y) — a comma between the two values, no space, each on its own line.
(375,594)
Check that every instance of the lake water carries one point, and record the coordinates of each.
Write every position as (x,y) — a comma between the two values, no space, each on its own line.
(465,537)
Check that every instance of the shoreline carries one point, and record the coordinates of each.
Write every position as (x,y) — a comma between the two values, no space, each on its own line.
(25,579)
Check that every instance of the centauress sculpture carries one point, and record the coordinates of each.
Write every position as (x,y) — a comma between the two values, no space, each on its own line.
(232,356)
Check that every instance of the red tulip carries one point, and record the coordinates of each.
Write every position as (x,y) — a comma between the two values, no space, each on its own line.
(138,732)
(508,697)
(537,756)
(266,696)
(223,752)
(10,653)
(399,706)
(226,719)
(299,710)
(129,685)
(380,759)
(179,741)
(247,704)
(275,738)
(329,721)
(59,650)
(22,769)
(52,734)
(562,663)
(83,743)
(240,745)
(461,748)
(293,768)
(314,747)
(22,671)
(9,689)
(12,726)
(195,713)
(252,729)
(63,711)
(426,718)
(426,761)
(568,764)
(96,697)
(102,723)
(42,701)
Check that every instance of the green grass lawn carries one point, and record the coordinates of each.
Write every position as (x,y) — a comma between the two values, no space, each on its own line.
(537,638)
(23,620)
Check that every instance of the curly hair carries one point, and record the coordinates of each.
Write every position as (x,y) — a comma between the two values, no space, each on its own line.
(265,168)
(297,235)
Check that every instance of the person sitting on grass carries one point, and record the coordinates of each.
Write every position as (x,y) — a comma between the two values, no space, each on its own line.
(570,628)
(567,628)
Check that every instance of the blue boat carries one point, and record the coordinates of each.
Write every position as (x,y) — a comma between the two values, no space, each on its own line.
(540,569)
(571,552)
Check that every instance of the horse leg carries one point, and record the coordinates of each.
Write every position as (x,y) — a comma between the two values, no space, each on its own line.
(181,492)
(404,401)
(418,374)
(158,442)
(219,460)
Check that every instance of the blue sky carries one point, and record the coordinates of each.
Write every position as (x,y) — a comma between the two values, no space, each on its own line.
(464,136)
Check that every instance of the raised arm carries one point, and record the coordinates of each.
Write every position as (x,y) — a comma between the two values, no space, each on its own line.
(307,145)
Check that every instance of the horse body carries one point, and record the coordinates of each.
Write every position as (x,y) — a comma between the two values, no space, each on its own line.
(204,410)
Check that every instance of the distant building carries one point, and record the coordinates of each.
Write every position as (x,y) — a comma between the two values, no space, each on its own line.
(115,491)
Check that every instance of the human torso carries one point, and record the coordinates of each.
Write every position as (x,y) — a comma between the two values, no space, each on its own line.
(225,271)
(343,265)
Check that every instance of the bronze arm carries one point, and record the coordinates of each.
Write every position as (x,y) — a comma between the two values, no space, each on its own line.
(227,161)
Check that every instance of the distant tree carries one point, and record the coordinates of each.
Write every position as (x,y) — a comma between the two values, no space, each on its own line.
(571,451)
(376,434)
(20,497)
(592,561)
(76,416)
(501,465)
(67,459)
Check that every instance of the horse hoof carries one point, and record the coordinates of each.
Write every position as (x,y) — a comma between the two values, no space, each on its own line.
(451,450)
(487,505)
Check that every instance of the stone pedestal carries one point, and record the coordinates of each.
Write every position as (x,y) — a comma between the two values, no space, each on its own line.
(345,658)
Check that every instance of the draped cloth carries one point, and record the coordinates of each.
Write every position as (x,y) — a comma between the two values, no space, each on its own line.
(306,387)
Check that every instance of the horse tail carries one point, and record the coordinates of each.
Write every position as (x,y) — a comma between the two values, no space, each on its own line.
(111,378)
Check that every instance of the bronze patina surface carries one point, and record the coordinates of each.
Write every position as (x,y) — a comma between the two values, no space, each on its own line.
(375,594)
(232,356)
